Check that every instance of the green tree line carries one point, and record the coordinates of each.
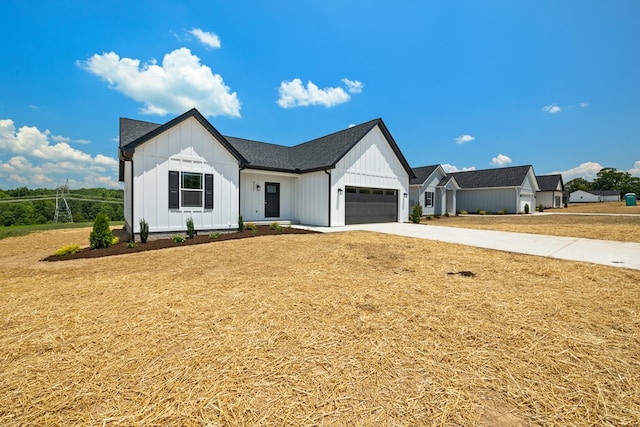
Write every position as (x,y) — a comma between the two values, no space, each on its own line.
(607,179)
(14,211)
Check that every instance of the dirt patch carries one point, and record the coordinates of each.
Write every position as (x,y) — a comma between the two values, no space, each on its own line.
(122,248)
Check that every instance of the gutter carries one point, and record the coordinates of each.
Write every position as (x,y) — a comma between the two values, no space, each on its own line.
(133,232)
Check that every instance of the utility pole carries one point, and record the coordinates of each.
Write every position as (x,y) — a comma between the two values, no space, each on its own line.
(61,193)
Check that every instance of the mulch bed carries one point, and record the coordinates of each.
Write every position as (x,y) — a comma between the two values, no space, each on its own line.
(156,244)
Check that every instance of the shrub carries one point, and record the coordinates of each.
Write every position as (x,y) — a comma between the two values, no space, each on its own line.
(115,240)
(67,250)
(191,231)
(429,217)
(502,211)
(540,207)
(177,238)
(446,214)
(101,235)
(482,212)
(214,235)
(463,212)
(251,227)
(526,208)
(131,244)
(240,224)
(416,214)
(144,230)
(275,226)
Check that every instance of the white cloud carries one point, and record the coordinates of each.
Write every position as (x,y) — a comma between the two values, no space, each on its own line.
(451,168)
(36,159)
(552,109)
(353,86)
(179,84)
(294,94)
(583,104)
(587,170)
(501,160)
(635,170)
(464,138)
(206,38)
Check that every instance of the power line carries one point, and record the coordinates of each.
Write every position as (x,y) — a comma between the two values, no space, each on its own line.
(61,192)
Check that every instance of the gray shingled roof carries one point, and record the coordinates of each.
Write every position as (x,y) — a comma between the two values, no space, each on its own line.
(422,173)
(130,130)
(549,182)
(488,178)
(317,154)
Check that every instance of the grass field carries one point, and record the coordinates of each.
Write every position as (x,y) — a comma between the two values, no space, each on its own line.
(336,329)
(22,230)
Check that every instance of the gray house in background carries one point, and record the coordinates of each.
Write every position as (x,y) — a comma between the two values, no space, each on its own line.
(490,190)
(551,190)
(424,190)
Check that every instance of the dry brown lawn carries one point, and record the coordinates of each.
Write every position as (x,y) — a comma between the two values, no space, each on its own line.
(559,222)
(337,329)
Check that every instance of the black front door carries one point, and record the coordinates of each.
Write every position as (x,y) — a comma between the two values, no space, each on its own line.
(272,199)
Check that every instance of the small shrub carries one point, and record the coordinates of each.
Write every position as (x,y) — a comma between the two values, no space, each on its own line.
(275,226)
(526,208)
(144,230)
(416,214)
(464,213)
(214,235)
(502,212)
(482,212)
(540,207)
(251,227)
(240,224)
(177,238)
(446,214)
(131,244)
(101,236)
(191,231)
(429,217)
(67,250)
(115,240)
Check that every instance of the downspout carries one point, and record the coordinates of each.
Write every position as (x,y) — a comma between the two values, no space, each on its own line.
(242,167)
(329,195)
(133,232)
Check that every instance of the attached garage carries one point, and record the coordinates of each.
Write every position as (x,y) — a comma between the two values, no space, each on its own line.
(370,205)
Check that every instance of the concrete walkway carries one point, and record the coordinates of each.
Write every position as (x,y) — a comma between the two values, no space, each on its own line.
(605,252)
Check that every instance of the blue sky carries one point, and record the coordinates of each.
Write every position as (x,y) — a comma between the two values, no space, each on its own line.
(467,84)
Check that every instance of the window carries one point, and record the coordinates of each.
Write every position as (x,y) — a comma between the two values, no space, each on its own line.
(428,199)
(189,189)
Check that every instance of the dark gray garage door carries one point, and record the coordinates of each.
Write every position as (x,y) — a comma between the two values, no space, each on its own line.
(369,205)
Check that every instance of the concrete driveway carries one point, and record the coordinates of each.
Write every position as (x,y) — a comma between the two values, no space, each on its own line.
(605,252)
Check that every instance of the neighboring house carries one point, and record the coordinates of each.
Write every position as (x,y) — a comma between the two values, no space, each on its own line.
(551,191)
(582,196)
(186,168)
(423,189)
(490,190)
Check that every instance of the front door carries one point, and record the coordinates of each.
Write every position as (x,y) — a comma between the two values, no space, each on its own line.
(272,199)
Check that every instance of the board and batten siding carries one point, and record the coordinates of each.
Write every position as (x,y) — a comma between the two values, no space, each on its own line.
(311,193)
(487,199)
(127,197)
(371,163)
(186,147)
(252,206)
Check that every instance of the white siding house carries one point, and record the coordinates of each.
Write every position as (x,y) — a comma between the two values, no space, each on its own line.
(187,169)
(424,190)
(581,196)
(551,191)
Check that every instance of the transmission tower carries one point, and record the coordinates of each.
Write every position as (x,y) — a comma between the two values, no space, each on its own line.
(61,193)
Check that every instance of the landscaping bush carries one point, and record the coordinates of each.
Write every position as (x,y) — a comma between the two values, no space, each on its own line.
(115,240)
(177,238)
(144,230)
(191,231)
(214,235)
(275,226)
(526,208)
(464,213)
(250,227)
(131,244)
(482,212)
(67,250)
(416,214)
(502,211)
(240,224)
(540,207)
(101,235)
